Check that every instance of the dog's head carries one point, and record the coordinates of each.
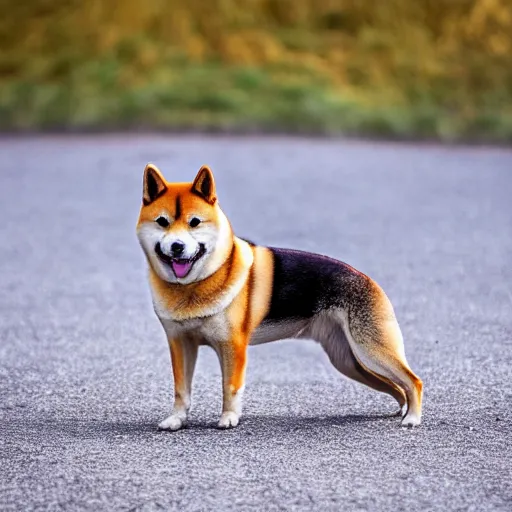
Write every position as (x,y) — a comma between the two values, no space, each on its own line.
(185,235)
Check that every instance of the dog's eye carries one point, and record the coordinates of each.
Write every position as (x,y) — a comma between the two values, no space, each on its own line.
(194,221)
(162,221)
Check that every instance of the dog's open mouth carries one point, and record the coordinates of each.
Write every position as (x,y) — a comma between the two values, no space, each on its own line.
(180,266)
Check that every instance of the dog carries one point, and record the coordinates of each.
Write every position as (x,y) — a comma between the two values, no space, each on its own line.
(210,287)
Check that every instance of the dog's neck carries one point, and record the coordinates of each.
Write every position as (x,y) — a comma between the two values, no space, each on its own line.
(208,296)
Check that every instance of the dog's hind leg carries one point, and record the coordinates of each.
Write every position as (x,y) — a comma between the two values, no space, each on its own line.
(376,341)
(380,383)
(331,336)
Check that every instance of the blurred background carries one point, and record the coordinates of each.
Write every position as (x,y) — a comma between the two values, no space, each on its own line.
(429,69)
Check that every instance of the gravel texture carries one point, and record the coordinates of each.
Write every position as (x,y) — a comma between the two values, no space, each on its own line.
(85,373)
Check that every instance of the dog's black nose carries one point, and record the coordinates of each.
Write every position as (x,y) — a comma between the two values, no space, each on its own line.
(177,248)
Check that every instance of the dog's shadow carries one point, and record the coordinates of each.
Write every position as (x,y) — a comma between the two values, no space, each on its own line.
(309,423)
(250,425)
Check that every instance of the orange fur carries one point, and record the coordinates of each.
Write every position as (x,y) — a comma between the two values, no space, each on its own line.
(225,306)
(190,301)
(178,364)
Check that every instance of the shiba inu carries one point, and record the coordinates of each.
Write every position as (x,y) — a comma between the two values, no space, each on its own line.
(210,287)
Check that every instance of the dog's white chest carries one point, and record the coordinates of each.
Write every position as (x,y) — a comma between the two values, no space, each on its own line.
(210,330)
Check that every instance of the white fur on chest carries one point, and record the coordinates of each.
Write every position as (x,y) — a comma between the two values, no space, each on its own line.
(209,330)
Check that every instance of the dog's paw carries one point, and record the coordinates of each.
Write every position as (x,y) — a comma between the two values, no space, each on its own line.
(411,420)
(173,422)
(228,420)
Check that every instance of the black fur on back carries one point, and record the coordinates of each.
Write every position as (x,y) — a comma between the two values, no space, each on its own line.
(306,283)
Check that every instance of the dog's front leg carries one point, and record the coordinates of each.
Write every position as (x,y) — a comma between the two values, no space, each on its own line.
(233,360)
(183,357)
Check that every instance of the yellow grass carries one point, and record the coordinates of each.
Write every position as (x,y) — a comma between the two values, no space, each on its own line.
(422,68)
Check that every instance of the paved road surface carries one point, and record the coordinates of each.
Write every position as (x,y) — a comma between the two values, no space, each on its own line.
(84,367)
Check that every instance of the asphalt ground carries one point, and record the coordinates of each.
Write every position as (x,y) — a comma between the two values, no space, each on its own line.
(85,373)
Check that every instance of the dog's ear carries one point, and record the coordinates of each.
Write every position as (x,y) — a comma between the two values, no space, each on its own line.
(204,185)
(154,184)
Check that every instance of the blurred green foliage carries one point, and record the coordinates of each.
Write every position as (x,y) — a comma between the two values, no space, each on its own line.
(400,68)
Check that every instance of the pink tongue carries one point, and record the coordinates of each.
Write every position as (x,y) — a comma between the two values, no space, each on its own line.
(181,269)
